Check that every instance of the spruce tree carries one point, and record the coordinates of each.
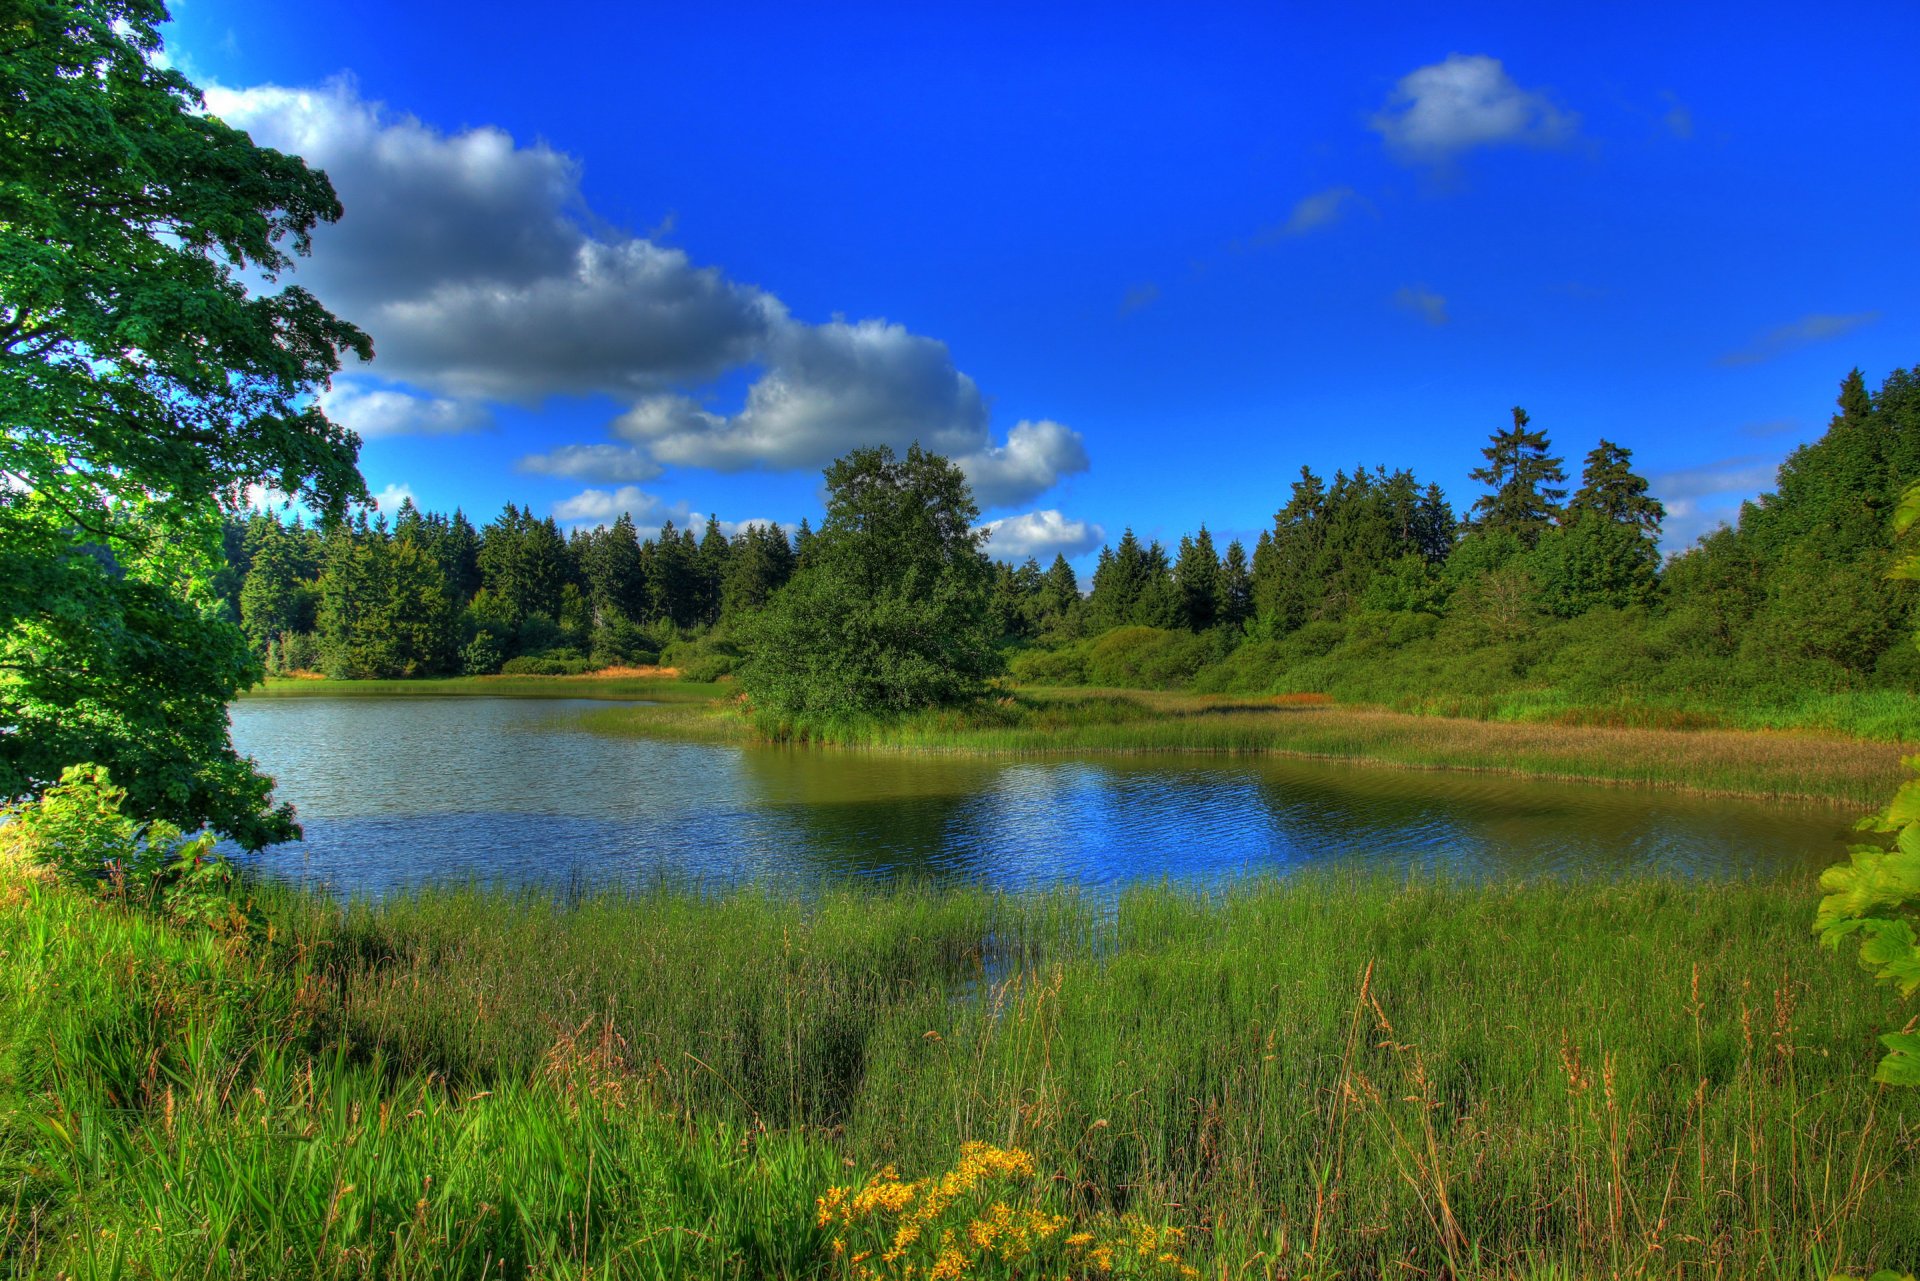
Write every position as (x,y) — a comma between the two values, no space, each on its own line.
(1523,476)
(1235,601)
(1610,489)
(1196,582)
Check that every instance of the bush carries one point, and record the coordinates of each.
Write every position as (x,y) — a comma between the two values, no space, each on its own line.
(618,642)
(707,668)
(555,662)
(1147,658)
(482,655)
(1066,666)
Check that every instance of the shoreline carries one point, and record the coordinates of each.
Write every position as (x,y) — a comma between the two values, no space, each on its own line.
(1805,765)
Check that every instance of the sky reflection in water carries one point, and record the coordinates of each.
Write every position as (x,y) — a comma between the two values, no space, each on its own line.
(401,792)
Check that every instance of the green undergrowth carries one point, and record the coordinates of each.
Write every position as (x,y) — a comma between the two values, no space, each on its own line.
(1319,1077)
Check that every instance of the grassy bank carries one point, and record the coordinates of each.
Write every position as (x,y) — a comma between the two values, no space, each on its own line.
(1038,721)
(1661,752)
(1316,1078)
(652,688)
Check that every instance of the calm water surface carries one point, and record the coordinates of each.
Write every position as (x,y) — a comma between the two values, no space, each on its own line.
(396,792)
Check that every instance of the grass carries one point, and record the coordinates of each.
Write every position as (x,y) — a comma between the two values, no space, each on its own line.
(1311,1078)
(1818,752)
(664,689)
(1795,765)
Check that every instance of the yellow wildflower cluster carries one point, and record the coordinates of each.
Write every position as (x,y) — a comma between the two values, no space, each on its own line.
(948,1227)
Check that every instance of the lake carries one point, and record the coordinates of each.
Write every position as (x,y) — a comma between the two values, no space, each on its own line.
(396,792)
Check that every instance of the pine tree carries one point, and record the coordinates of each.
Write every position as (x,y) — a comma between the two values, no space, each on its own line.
(1522,475)
(1610,489)
(711,572)
(1196,582)
(1234,606)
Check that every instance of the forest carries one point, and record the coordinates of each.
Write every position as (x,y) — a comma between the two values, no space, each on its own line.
(1547,591)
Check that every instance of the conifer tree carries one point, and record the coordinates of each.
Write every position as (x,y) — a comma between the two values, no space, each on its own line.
(1235,601)
(1196,582)
(1523,476)
(1610,489)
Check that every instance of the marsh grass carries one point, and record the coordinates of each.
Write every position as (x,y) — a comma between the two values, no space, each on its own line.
(1311,1078)
(1788,765)
(650,688)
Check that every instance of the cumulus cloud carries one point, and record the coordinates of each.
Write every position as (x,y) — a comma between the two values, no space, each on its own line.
(374,412)
(1035,456)
(1041,535)
(614,464)
(831,387)
(389,499)
(467,257)
(482,276)
(1701,499)
(1422,302)
(1466,101)
(1321,209)
(1804,332)
(594,507)
(604,506)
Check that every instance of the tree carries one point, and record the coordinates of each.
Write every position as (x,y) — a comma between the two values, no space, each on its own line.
(891,609)
(143,385)
(1235,605)
(1522,474)
(1196,582)
(1611,489)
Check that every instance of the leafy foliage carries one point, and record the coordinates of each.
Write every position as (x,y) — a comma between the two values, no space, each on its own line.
(1876,893)
(141,382)
(891,607)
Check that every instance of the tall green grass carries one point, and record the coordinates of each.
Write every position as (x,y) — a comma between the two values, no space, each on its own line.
(1331,1077)
(660,689)
(1041,721)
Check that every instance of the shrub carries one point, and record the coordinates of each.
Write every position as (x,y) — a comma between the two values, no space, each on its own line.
(1147,658)
(555,662)
(1066,666)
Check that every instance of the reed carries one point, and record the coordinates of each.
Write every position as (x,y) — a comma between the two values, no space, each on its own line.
(1309,1078)
(1796,765)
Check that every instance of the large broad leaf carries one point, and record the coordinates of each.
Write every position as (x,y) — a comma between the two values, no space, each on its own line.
(1907,510)
(1902,1064)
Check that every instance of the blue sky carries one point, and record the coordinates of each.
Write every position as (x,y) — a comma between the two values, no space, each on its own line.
(1130,265)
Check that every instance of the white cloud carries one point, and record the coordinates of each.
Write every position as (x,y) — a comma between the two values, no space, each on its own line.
(832,387)
(1423,302)
(612,463)
(1034,457)
(593,507)
(604,506)
(374,412)
(1804,332)
(1321,209)
(1040,534)
(467,257)
(482,276)
(1703,498)
(389,499)
(1466,101)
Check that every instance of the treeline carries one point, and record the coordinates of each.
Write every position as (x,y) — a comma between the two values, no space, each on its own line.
(1547,594)
(431,595)
(1368,585)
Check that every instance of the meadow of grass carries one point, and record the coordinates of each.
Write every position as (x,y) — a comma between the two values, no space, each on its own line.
(1312,1078)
